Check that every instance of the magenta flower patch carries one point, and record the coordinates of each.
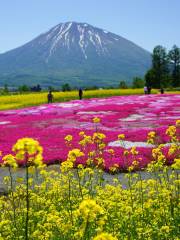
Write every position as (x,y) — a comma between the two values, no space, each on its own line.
(133,116)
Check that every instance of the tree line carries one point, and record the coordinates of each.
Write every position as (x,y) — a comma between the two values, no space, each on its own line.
(165,70)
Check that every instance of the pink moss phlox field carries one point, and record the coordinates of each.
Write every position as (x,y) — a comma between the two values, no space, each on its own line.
(134,116)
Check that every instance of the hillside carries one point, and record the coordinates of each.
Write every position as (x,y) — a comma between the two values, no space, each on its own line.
(77,53)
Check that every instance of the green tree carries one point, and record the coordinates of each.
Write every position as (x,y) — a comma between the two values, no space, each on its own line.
(50,88)
(174,56)
(123,85)
(138,82)
(150,77)
(24,88)
(160,67)
(6,90)
(66,87)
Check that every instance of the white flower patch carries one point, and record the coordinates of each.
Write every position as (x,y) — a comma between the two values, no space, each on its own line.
(29,112)
(129,144)
(94,113)
(121,104)
(87,125)
(169,117)
(9,113)
(133,117)
(42,108)
(4,122)
(67,105)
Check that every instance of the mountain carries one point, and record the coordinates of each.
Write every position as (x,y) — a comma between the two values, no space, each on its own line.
(74,53)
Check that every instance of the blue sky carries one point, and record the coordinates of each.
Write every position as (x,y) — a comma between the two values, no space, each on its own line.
(145,22)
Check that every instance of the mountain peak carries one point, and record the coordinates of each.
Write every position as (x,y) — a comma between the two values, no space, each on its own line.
(83,34)
(74,50)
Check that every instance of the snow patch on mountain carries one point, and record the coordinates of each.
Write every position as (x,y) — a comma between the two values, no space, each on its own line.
(63,33)
(82,40)
(84,35)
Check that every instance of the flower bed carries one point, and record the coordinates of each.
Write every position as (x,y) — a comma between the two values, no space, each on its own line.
(133,116)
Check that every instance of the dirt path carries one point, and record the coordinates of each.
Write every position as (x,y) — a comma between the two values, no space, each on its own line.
(108,178)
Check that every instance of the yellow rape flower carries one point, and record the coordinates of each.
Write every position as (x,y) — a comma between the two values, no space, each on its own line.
(164,230)
(81,133)
(134,151)
(102,146)
(100,161)
(92,154)
(131,168)
(121,136)
(111,151)
(114,168)
(19,180)
(68,138)
(176,164)
(173,148)
(152,134)
(89,210)
(98,136)
(29,150)
(104,236)
(171,130)
(96,120)
(126,152)
(151,137)
(86,140)
(10,161)
(178,123)
(75,153)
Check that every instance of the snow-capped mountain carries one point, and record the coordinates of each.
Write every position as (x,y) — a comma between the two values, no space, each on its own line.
(77,53)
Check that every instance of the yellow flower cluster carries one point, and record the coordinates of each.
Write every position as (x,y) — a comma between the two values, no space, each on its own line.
(74,154)
(86,139)
(159,158)
(9,161)
(105,236)
(96,120)
(134,151)
(121,136)
(86,203)
(111,151)
(68,138)
(72,157)
(173,149)
(178,123)
(81,207)
(151,137)
(89,209)
(171,132)
(114,168)
(176,164)
(28,150)
(98,137)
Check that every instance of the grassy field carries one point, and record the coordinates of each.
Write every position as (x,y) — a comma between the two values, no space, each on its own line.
(32,99)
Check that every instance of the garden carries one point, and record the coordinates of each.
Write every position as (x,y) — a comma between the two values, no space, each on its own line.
(129,118)
(88,139)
